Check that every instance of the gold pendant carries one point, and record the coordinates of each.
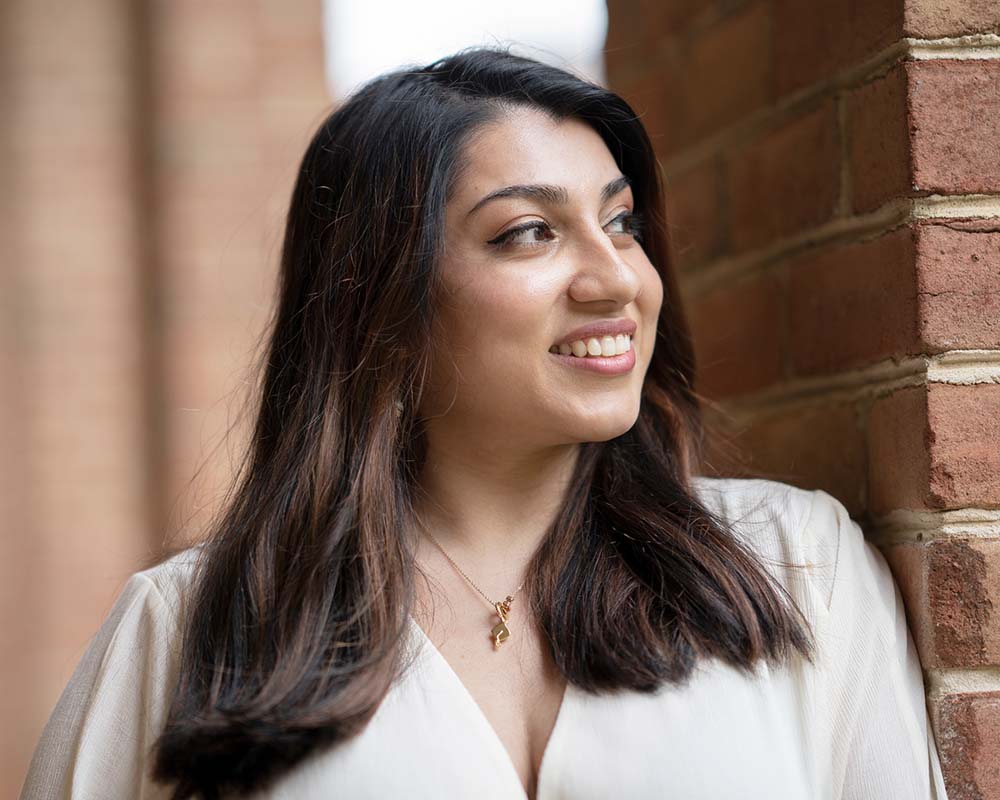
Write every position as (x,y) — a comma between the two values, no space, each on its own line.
(500,633)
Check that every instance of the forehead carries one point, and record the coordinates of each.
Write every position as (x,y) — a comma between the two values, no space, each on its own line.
(527,146)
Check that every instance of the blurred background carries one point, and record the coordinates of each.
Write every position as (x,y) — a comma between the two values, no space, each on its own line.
(833,182)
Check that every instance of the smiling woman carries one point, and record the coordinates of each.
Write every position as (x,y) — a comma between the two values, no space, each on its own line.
(479,381)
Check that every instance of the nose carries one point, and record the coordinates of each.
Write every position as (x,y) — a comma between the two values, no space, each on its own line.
(603,274)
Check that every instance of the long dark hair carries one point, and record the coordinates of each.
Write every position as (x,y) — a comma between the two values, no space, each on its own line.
(301,595)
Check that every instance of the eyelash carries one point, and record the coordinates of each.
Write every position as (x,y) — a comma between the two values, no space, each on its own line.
(632,219)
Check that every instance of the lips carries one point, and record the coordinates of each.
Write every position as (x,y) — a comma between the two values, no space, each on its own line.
(608,327)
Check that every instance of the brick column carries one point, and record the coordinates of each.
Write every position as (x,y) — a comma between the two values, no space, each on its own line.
(236,93)
(72,471)
(148,154)
(833,180)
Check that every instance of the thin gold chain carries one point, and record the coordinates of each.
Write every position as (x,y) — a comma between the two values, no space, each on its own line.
(510,597)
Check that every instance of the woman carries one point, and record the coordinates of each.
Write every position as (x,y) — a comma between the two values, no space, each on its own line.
(470,554)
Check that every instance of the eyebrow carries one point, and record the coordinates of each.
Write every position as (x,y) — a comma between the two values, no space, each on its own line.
(547,193)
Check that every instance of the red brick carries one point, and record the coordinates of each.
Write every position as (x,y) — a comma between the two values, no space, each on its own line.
(909,569)
(878,141)
(786,180)
(853,304)
(950,459)
(638,30)
(939,18)
(954,108)
(625,45)
(695,214)
(958,275)
(738,334)
(964,424)
(732,68)
(658,102)
(898,451)
(666,19)
(948,586)
(813,41)
(968,739)
(820,446)
(925,127)
(963,577)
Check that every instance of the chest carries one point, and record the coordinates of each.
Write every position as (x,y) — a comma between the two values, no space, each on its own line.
(721,736)
(516,687)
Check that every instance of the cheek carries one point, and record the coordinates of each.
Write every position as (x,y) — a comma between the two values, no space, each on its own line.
(508,312)
(650,301)
(653,292)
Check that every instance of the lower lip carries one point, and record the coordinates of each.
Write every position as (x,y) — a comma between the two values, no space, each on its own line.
(605,365)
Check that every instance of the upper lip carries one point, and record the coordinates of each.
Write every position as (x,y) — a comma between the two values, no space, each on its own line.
(604,327)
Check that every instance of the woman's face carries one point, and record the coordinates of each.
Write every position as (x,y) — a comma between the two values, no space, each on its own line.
(523,272)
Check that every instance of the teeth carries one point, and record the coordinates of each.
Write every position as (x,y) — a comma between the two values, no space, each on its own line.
(595,347)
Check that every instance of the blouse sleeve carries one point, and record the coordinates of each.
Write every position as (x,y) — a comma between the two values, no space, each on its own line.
(97,740)
(883,743)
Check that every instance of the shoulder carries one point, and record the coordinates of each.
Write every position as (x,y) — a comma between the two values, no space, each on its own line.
(119,692)
(847,576)
(151,604)
(168,582)
(768,515)
(143,627)
(801,534)
(746,498)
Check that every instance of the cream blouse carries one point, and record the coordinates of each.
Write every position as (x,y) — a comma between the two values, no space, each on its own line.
(853,727)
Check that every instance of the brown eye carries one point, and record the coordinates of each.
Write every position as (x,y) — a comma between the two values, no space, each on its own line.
(516,235)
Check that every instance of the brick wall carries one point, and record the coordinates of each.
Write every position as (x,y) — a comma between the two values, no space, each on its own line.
(833,173)
(147,155)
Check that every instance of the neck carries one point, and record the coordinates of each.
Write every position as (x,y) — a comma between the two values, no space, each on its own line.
(489,509)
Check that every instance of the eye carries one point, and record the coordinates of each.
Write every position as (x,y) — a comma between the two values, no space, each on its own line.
(528,234)
(628,223)
(516,235)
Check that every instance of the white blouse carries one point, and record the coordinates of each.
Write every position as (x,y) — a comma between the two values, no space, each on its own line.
(852,727)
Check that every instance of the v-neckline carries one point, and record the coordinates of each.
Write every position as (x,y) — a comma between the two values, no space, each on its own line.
(487,726)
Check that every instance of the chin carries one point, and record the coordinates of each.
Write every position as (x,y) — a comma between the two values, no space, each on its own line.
(602,429)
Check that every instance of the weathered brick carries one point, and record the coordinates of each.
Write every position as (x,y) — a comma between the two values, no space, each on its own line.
(931,19)
(936,447)
(954,108)
(898,451)
(696,213)
(949,587)
(958,277)
(963,579)
(853,304)
(813,41)
(738,334)
(925,127)
(968,739)
(878,141)
(964,426)
(785,180)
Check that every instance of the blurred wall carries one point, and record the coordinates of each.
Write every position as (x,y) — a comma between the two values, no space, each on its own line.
(147,154)
(833,177)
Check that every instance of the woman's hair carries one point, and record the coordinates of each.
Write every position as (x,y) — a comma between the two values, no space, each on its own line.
(302,591)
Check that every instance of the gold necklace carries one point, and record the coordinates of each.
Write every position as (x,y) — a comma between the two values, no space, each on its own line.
(500,633)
